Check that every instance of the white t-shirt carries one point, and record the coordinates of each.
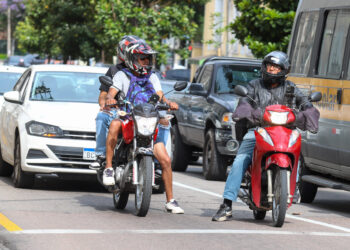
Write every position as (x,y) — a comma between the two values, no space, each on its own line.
(122,82)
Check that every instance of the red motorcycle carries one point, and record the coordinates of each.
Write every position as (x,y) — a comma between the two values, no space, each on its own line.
(270,181)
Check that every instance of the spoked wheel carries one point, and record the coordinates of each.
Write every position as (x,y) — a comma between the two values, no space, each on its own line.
(120,199)
(144,188)
(259,215)
(20,179)
(279,201)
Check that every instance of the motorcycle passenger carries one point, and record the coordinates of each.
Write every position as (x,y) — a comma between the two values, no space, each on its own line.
(106,114)
(139,60)
(265,91)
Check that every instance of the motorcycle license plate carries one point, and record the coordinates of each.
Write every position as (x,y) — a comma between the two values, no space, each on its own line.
(89,154)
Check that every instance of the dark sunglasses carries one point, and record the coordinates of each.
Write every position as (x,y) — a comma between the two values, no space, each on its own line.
(144,57)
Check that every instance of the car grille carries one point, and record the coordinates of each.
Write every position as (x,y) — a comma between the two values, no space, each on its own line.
(79,135)
(68,153)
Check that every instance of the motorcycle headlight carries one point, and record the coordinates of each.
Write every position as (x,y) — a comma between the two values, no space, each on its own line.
(146,125)
(278,118)
(265,136)
(293,137)
(226,119)
(42,129)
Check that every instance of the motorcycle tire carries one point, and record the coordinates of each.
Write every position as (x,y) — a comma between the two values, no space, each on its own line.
(259,215)
(280,199)
(120,199)
(144,188)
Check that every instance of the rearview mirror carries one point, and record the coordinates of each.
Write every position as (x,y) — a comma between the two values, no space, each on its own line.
(197,89)
(12,96)
(180,86)
(315,96)
(106,80)
(241,90)
(154,99)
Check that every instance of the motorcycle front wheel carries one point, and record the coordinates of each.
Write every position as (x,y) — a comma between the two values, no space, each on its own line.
(279,201)
(144,186)
(120,199)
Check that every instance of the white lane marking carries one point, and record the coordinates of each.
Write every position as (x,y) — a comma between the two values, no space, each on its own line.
(179,231)
(288,215)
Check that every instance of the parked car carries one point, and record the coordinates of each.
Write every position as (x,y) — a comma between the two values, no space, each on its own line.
(47,123)
(203,122)
(15,61)
(8,78)
(178,74)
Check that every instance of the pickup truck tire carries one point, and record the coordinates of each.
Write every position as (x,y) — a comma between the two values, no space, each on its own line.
(307,190)
(180,151)
(214,167)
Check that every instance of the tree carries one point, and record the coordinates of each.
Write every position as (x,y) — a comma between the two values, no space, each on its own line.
(150,21)
(264,25)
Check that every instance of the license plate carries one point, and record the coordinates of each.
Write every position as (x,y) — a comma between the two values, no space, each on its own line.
(89,154)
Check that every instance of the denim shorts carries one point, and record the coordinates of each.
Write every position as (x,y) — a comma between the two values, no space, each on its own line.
(163,133)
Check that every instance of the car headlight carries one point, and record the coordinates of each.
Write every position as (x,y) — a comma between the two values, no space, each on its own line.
(226,119)
(265,136)
(42,129)
(145,125)
(278,118)
(293,137)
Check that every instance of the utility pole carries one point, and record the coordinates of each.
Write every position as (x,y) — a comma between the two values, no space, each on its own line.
(9,47)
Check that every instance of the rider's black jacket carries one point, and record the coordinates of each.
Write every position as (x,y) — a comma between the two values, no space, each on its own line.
(264,96)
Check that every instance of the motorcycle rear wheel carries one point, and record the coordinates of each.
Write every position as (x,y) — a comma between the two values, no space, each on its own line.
(144,188)
(120,199)
(280,198)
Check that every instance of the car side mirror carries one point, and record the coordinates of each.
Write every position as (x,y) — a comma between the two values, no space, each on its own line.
(315,97)
(106,80)
(241,90)
(197,89)
(13,97)
(180,85)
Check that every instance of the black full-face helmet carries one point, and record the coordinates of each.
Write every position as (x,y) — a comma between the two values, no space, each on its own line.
(280,59)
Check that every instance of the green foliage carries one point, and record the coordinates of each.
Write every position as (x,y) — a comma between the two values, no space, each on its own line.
(264,25)
(3,56)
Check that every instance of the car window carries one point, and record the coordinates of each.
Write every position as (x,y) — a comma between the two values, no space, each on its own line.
(206,76)
(25,86)
(20,82)
(8,80)
(65,87)
(333,44)
(228,76)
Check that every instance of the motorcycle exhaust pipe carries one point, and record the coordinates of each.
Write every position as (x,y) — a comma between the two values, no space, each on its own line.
(269,186)
(135,173)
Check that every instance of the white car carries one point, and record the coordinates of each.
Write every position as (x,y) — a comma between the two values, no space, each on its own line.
(9,75)
(47,123)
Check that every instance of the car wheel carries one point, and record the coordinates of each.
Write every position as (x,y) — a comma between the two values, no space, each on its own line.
(307,190)
(20,179)
(214,167)
(180,151)
(5,168)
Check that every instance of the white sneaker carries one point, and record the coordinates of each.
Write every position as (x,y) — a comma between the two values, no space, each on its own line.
(173,207)
(108,177)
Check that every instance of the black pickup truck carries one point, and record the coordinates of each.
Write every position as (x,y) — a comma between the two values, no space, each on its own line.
(203,123)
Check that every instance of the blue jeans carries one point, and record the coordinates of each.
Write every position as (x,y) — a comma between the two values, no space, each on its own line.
(103,120)
(239,166)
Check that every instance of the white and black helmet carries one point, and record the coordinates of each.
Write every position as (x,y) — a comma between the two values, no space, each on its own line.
(277,58)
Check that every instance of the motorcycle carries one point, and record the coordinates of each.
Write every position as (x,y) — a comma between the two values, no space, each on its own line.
(133,161)
(270,181)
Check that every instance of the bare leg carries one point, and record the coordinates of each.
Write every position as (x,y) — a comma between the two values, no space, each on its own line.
(167,175)
(114,130)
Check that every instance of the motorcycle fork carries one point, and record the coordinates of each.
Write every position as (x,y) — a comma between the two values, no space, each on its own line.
(135,169)
(270,194)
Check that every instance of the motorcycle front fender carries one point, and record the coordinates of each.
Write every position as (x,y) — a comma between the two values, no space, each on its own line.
(280,159)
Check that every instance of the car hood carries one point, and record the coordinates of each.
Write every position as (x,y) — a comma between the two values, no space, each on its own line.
(66,115)
(229,101)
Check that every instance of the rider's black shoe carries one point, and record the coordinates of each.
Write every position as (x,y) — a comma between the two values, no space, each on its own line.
(224,213)
(98,163)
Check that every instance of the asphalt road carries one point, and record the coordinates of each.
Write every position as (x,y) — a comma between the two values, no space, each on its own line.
(80,215)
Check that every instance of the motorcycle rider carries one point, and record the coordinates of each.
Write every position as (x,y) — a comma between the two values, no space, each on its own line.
(139,60)
(106,114)
(265,91)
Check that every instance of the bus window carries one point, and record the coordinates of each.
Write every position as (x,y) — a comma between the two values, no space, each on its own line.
(333,43)
(304,42)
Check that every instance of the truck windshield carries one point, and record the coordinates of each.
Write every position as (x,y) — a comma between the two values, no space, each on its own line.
(228,76)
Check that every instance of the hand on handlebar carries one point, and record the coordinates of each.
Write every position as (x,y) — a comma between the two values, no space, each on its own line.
(173,106)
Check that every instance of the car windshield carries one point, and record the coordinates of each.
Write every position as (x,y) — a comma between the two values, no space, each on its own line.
(7,81)
(228,76)
(66,87)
